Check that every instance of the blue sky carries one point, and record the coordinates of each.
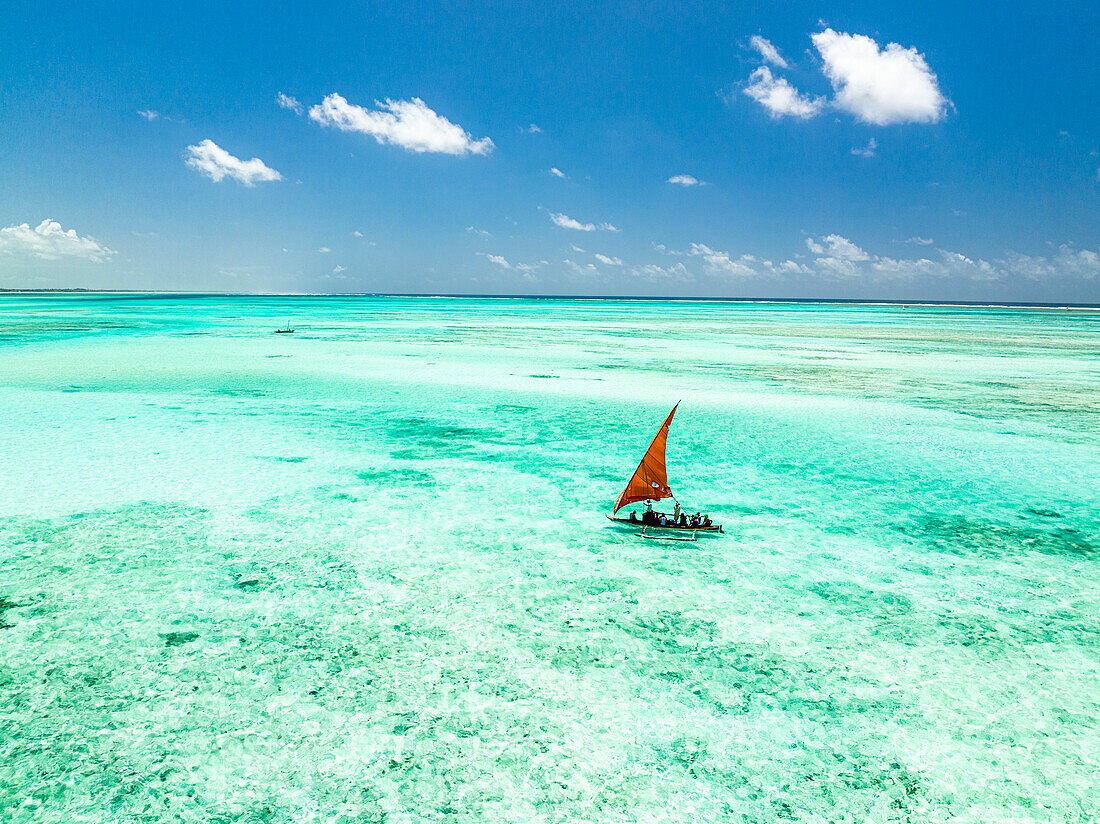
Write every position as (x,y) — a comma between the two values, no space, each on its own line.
(897,150)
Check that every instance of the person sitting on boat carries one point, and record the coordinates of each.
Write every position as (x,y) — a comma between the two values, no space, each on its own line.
(706,520)
(633,517)
(683,518)
(661,519)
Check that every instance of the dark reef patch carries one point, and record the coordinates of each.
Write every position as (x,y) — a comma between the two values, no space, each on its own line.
(850,598)
(175,639)
(395,477)
(958,534)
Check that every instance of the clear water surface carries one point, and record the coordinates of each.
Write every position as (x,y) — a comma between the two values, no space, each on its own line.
(362,573)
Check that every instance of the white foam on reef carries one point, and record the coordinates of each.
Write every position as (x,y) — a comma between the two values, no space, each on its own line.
(363,573)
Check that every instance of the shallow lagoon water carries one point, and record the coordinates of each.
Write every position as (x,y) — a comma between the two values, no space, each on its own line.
(362,573)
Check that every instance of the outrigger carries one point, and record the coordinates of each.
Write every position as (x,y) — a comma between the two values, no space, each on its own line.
(650,483)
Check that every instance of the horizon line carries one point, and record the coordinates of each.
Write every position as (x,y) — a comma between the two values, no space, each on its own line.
(517,296)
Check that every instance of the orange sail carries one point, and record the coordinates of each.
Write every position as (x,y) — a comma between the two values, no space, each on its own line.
(650,482)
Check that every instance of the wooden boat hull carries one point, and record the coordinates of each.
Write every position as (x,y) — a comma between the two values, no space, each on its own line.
(670,527)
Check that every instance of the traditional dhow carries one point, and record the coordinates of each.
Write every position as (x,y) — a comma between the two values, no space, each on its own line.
(650,483)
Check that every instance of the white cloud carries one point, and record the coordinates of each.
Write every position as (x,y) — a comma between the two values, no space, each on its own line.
(837,257)
(779,97)
(49,241)
(356,233)
(581,268)
(686,180)
(920,241)
(716,262)
(216,163)
(409,124)
(880,86)
(532,129)
(566,222)
(525,269)
(866,151)
(576,248)
(790,267)
(556,172)
(285,101)
(473,230)
(652,272)
(338,269)
(324,250)
(1076,263)
(609,261)
(840,257)
(836,246)
(149,114)
(664,250)
(769,52)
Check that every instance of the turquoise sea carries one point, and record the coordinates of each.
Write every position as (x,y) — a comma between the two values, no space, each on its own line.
(362,573)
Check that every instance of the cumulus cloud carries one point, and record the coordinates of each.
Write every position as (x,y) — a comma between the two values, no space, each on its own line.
(49,241)
(769,52)
(581,268)
(149,114)
(686,180)
(779,97)
(1068,262)
(525,268)
(716,262)
(879,86)
(566,222)
(356,233)
(653,272)
(532,129)
(866,151)
(285,101)
(216,163)
(838,258)
(608,261)
(409,124)
(556,172)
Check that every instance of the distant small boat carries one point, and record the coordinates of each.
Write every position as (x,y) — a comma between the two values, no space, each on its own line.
(285,331)
(650,483)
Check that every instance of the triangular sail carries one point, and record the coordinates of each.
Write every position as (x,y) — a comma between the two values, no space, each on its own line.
(650,482)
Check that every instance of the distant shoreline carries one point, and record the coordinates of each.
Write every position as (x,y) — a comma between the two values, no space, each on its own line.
(631,298)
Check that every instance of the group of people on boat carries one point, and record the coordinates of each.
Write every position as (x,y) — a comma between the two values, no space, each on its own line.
(678,518)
